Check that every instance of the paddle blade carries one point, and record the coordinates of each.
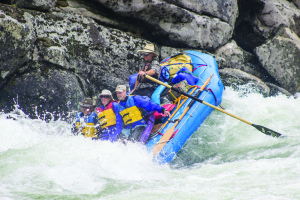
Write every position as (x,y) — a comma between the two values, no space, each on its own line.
(163,141)
(266,131)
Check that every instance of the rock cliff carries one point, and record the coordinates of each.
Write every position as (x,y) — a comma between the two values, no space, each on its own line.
(53,53)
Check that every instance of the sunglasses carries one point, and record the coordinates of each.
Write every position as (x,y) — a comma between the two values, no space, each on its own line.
(105,96)
(145,54)
(85,106)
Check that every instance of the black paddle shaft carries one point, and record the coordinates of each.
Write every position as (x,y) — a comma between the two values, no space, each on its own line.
(193,100)
(262,129)
(194,97)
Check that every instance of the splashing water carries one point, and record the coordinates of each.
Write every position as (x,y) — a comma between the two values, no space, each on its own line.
(224,159)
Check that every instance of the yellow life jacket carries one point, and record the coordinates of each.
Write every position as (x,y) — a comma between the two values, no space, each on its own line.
(178,62)
(89,130)
(131,115)
(107,118)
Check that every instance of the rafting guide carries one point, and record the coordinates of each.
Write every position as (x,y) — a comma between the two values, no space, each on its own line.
(150,67)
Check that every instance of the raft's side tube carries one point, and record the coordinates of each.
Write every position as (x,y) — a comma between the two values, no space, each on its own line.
(156,94)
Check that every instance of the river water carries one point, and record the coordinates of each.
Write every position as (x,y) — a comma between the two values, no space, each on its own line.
(224,159)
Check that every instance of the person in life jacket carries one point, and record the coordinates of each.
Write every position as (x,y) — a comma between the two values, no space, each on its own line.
(87,121)
(150,66)
(134,111)
(109,118)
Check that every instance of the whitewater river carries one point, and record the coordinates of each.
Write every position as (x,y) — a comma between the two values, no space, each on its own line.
(224,159)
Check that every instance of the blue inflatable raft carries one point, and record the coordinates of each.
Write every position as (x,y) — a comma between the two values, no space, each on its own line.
(196,71)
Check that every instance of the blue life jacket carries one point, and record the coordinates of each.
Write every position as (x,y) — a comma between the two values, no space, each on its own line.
(131,104)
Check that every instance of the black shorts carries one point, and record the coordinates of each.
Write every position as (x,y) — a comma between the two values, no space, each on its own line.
(144,92)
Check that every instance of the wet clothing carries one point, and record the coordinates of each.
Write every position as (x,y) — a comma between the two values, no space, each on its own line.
(136,134)
(88,125)
(146,87)
(135,110)
(110,121)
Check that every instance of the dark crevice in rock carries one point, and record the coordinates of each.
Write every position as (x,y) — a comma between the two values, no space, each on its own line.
(246,38)
(46,65)
(80,83)
(9,2)
(61,3)
(18,73)
(212,16)
(297,22)
(244,34)
(266,77)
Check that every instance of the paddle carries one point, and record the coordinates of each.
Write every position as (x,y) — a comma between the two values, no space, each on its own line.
(168,134)
(262,129)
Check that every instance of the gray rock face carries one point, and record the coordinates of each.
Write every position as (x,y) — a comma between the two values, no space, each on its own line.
(16,42)
(275,13)
(181,21)
(232,56)
(43,53)
(280,57)
(225,10)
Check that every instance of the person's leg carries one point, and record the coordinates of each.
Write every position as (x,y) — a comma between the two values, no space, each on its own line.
(122,138)
(136,134)
(144,92)
(146,133)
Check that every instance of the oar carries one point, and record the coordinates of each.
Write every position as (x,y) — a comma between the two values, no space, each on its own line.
(179,104)
(262,129)
(168,134)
